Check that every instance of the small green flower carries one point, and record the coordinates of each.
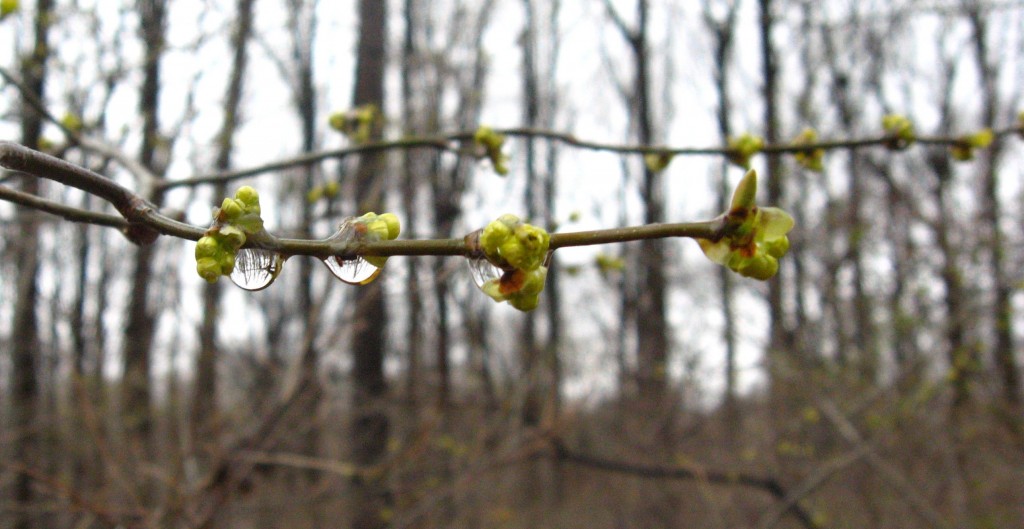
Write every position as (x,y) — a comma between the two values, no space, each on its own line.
(811,159)
(743,148)
(899,130)
(756,237)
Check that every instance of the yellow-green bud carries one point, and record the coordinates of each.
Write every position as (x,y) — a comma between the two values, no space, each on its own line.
(494,234)
(208,268)
(231,209)
(657,161)
(777,247)
(331,189)
(337,121)
(525,303)
(248,196)
(745,193)
(761,267)
(207,247)
(394,226)
(8,7)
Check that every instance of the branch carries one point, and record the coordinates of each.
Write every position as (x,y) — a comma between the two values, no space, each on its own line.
(767,484)
(144,223)
(892,476)
(450,143)
(67,212)
(147,180)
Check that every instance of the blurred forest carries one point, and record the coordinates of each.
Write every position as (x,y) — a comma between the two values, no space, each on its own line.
(874,382)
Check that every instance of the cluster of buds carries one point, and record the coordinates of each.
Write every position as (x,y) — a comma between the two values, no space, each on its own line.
(755,237)
(520,251)
(372,227)
(811,159)
(963,149)
(899,131)
(233,222)
(329,191)
(492,143)
(357,124)
(743,148)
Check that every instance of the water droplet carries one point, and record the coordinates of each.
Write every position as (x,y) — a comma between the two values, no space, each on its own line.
(351,270)
(482,270)
(255,268)
(354,271)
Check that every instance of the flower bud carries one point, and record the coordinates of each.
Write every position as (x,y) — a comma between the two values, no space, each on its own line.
(248,196)
(394,226)
(208,268)
(230,209)
(207,247)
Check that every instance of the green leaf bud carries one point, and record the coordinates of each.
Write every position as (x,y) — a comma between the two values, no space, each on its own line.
(745,193)
(232,237)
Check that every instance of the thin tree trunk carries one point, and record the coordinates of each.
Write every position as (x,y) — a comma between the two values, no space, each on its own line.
(25,343)
(991,213)
(140,327)
(371,498)
(205,422)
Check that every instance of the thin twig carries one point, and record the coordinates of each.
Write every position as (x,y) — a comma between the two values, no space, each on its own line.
(66,212)
(766,484)
(892,476)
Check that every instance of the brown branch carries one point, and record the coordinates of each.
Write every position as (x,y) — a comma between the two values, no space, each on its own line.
(766,484)
(66,212)
(450,143)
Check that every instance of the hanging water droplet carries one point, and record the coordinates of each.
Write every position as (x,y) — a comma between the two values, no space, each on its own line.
(482,270)
(255,268)
(354,271)
(351,270)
